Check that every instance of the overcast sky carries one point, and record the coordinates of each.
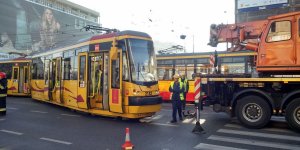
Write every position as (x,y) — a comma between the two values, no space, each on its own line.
(165,20)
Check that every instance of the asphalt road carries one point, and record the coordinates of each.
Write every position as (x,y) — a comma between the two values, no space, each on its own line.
(31,125)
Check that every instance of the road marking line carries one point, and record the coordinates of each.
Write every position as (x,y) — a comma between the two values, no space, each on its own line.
(215,147)
(258,134)
(13,108)
(278,130)
(156,117)
(252,142)
(11,132)
(70,115)
(166,109)
(165,124)
(56,141)
(2,119)
(201,121)
(188,120)
(150,119)
(265,129)
(36,111)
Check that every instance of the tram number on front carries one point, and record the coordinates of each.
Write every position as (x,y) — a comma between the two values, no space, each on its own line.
(148,93)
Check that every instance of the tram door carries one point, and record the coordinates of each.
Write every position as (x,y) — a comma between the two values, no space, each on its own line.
(115,78)
(82,89)
(48,63)
(58,90)
(95,80)
(105,81)
(51,82)
(16,79)
(26,80)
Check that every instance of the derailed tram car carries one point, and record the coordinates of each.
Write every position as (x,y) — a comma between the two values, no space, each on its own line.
(113,74)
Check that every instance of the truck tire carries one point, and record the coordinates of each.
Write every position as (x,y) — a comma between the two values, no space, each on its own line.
(253,112)
(292,115)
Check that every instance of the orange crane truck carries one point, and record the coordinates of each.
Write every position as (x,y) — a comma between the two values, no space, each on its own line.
(274,88)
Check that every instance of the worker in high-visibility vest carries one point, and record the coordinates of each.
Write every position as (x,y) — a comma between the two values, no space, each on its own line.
(185,82)
(176,88)
(3,93)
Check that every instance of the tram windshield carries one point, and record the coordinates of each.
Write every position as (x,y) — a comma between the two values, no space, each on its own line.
(142,60)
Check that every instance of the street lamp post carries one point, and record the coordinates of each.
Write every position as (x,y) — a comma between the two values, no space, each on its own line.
(193,44)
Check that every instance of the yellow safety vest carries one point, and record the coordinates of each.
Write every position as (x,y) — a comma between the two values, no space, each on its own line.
(3,95)
(180,86)
(184,83)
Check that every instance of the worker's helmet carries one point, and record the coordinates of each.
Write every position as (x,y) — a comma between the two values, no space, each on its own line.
(176,76)
(2,75)
(182,74)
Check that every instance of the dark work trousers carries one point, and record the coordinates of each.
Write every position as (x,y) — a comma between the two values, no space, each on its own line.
(184,101)
(3,105)
(3,92)
(177,106)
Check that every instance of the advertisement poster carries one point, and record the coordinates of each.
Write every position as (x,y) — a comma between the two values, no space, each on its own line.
(255,5)
(29,27)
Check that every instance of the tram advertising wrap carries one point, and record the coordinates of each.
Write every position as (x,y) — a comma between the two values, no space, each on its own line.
(30,27)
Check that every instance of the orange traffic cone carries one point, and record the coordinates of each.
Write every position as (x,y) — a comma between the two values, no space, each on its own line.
(127,145)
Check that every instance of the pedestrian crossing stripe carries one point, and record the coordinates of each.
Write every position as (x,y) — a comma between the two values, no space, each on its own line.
(215,147)
(259,134)
(253,142)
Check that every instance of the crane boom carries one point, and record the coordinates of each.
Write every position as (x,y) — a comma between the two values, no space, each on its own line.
(241,35)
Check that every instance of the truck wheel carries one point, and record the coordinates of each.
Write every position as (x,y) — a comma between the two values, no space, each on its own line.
(292,115)
(253,111)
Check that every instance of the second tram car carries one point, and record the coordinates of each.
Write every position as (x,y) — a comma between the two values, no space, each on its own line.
(191,63)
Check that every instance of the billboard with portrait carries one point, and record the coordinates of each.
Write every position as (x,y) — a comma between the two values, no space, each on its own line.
(32,27)
(255,5)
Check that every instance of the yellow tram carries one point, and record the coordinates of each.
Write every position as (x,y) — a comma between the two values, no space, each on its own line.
(112,74)
(18,76)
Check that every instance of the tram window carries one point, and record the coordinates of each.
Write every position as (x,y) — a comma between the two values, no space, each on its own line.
(74,68)
(40,69)
(26,76)
(189,61)
(34,71)
(202,61)
(15,73)
(238,59)
(189,71)
(232,68)
(181,61)
(46,73)
(37,68)
(125,68)
(82,68)
(165,72)
(115,68)
(227,60)
(67,68)
(105,46)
